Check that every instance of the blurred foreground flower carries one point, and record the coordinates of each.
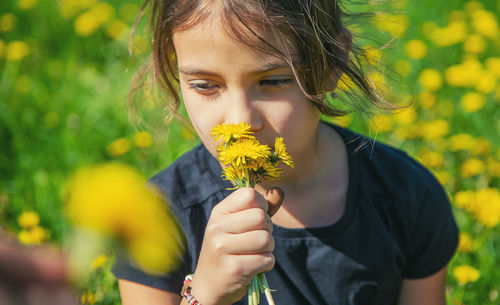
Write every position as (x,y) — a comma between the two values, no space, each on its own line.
(114,201)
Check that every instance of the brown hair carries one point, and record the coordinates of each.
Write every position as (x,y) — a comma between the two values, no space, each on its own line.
(311,27)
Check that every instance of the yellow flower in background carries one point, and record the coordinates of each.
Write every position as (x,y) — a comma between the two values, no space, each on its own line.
(116,29)
(461,141)
(33,236)
(51,119)
(487,211)
(465,274)
(28,219)
(482,146)
(403,67)
(2,48)
(102,11)
(88,298)
(116,201)
(453,33)
(343,121)
(493,167)
(485,23)
(486,83)
(86,24)
(474,44)
(143,139)
(396,25)
(435,129)
(427,99)
(430,79)
(492,64)
(472,102)
(465,243)
(373,55)
(431,158)
(230,132)
(381,123)
(466,200)
(7,22)
(26,4)
(442,176)
(99,261)
(473,6)
(472,167)
(118,147)
(378,82)
(416,49)
(16,50)
(128,12)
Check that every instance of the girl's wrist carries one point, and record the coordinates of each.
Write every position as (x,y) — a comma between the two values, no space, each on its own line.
(204,295)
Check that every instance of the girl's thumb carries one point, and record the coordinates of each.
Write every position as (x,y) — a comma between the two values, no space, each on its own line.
(274,197)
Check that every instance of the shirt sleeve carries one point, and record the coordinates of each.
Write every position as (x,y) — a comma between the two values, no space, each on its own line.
(124,268)
(434,237)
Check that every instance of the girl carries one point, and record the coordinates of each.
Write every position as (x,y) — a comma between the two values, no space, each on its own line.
(360,224)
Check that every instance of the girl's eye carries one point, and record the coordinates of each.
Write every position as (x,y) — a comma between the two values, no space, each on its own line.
(204,87)
(275,83)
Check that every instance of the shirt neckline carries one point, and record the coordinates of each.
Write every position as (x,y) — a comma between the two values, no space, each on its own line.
(350,141)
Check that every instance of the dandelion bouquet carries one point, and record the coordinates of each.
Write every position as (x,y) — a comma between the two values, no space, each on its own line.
(247,163)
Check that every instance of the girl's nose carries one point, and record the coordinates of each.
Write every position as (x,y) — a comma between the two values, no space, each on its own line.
(243,109)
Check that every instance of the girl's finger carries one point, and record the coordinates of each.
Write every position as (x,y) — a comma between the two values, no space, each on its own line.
(274,197)
(253,242)
(241,199)
(246,220)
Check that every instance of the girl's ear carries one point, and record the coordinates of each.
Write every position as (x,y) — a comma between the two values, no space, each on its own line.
(345,40)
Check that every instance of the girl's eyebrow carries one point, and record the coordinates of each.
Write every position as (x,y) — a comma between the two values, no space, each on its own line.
(188,70)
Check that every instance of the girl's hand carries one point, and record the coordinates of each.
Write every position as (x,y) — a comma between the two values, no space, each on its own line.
(237,245)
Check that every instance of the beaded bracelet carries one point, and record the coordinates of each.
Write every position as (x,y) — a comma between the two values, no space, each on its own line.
(186,291)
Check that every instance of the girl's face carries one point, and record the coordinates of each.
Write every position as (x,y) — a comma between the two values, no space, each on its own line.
(225,81)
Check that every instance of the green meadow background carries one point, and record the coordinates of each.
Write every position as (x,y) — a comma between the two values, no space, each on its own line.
(65,73)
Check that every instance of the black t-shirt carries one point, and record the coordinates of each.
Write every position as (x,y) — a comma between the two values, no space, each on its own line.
(397,224)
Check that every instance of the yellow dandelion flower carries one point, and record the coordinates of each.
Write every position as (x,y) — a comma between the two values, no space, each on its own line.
(486,83)
(102,11)
(485,23)
(461,141)
(243,150)
(281,153)
(431,158)
(114,200)
(472,167)
(86,24)
(28,219)
(430,79)
(381,123)
(474,44)
(493,167)
(7,22)
(345,83)
(373,55)
(16,50)
(233,173)
(343,121)
(482,147)
(492,64)
(118,147)
(465,243)
(453,33)
(487,208)
(51,119)
(228,132)
(116,29)
(465,200)
(88,298)
(99,261)
(472,102)
(465,274)
(271,172)
(426,99)
(396,24)
(33,236)
(143,139)
(435,129)
(26,4)
(416,49)
(403,67)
